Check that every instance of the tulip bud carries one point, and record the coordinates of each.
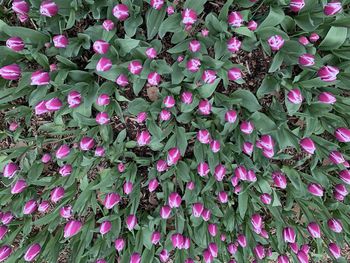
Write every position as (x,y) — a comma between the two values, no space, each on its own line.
(101,260)
(252,25)
(135,67)
(223,197)
(189,17)
(342,134)
(102,118)
(63,151)
(206,214)
(231,116)
(53,104)
(7,218)
(165,212)
(257,223)
(99,151)
(170,10)
(207,256)
(151,53)
(289,235)
(248,148)
(177,240)
(259,251)
(282,259)
(314,229)
(264,234)
(48,8)
(314,37)
(154,79)
(266,199)
(242,240)
(122,80)
(174,200)
(204,107)
(100,46)
(43,206)
(155,237)
(103,100)
(219,172)
(308,145)
(13,126)
(15,44)
(332,8)
(21,8)
(193,65)
(276,42)
(306,60)
(335,225)
(279,179)
(66,211)
(60,41)
(235,19)
(108,25)
(341,190)
(303,40)
(209,76)
(190,185)
(215,146)
(315,189)
(326,98)
(121,12)
(232,248)
(30,207)
(121,167)
(105,227)
(5,252)
(65,170)
(104,64)
(119,244)
(335,250)
(186,97)
(111,200)
(169,101)
(74,99)
(18,187)
(336,157)
(3,231)
(241,172)
(72,228)
(213,229)
(302,257)
(194,46)
(234,45)
(86,143)
(40,78)
(164,255)
(247,127)
(127,187)
(213,249)
(152,185)
(131,222)
(10,170)
(197,209)
(57,194)
(144,138)
(328,73)
(294,96)
(10,72)
(173,156)
(40,108)
(296,5)
(344,175)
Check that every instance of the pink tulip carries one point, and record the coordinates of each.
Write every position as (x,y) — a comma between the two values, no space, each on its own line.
(207,256)
(53,104)
(247,127)
(131,222)
(161,166)
(190,185)
(173,156)
(234,74)
(30,207)
(295,96)
(235,19)
(165,212)
(155,237)
(251,176)
(189,17)
(213,229)
(3,231)
(344,175)
(266,142)
(209,76)
(306,60)
(213,249)
(103,100)
(135,67)
(164,115)
(234,44)
(314,37)
(10,72)
(266,198)
(101,260)
(203,169)
(169,101)
(122,80)
(204,32)
(40,108)
(60,41)
(102,118)
(194,46)
(257,223)
(327,98)
(174,200)
(99,151)
(303,40)
(119,244)
(308,145)
(164,255)
(276,42)
(332,8)
(335,225)
(43,206)
(104,64)
(289,235)
(121,167)
(248,148)
(48,8)
(231,116)
(21,8)
(141,117)
(296,5)
(153,78)
(121,12)
(241,172)
(219,172)
(100,46)
(282,259)
(328,73)
(15,44)
(72,228)
(204,107)
(66,211)
(144,138)
(302,257)
(341,189)
(279,179)
(177,240)
(74,99)
(10,170)
(127,187)
(7,218)
(334,249)
(197,209)
(151,53)
(19,186)
(170,10)
(259,251)
(57,194)
(186,97)
(193,65)
(13,126)
(242,240)
(5,252)
(63,151)
(108,25)
(252,25)
(86,143)
(111,200)
(46,158)
(40,78)
(315,189)
(342,134)
(314,230)
(105,227)
(215,146)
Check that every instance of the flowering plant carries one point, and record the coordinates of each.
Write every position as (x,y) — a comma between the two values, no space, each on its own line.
(174,131)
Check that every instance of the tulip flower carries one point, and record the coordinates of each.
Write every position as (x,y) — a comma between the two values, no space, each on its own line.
(144,138)
(306,60)
(127,187)
(206,214)
(121,12)
(177,240)
(108,25)
(10,170)
(169,101)
(302,257)
(18,187)
(219,172)
(119,244)
(40,78)
(3,231)
(296,5)
(328,73)
(131,222)
(282,259)
(234,45)
(164,255)
(53,104)
(170,10)
(105,227)
(74,99)
(335,225)
(279,179)
(66,211)
(231,116)
(155,237)
(43,206)
(103,100)
(60,41)
(209,76)
(152,185)
(57,194)
(266,199)
(15,44)
(100,47)
(207,256)
(86,143)
(5,252)
(63,151)
(48,8)
(72,228)
(252,25)
(153,78)
(332,8)
(295,96)
(303,40)
(259,251)
(193,65)
(10,72)
(235,19)
(334,249)
(247,127)
(13,126)
(326,98)
(21,8)
(135,67)
(213,229)
(151,53)
(276,42)
(122,80)
(308,145)
(102,118)
(174,200)
(314,230)
(342,134)
(165,212)
(173,156)
(289,235)
(314,37)
(104,64)
(197,209)
(30,207)
(242,240)
(257,223)
(189,17)
(111,200)
(315,189)
(248,148)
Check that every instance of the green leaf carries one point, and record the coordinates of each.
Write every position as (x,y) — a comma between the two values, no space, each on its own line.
(247,100)
(275,17)
(243,203)
(171,24)
(335,37)
(206,90)
(154,19)
(127,44)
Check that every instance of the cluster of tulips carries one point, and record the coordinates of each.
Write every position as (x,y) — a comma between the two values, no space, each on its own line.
(231,173)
